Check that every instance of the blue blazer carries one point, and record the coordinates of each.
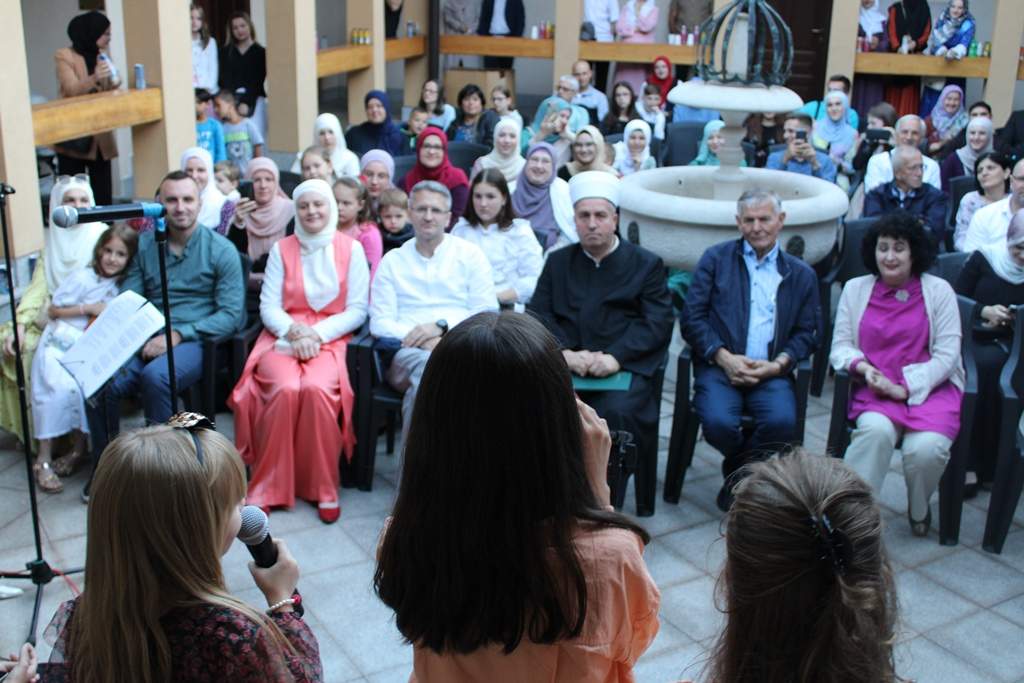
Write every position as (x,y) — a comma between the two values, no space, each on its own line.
(716,313)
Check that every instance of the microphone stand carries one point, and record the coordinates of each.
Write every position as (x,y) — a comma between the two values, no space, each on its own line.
(39,571)
(161,238)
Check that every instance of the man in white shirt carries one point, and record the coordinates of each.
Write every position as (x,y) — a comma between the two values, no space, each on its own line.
(430,283)
(589,97)
(602,14)
(990,223)
(910,130)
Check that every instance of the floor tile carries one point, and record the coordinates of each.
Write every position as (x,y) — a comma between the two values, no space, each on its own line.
(987,642)
(922,660)
(976,577)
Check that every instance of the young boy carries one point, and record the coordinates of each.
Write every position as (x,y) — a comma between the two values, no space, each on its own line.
(414,126)
(394,226)
(242,138)
(650,111)
(227,176)
(209,132)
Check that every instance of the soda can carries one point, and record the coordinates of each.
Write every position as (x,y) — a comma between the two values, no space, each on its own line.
(410,28)
(140,77)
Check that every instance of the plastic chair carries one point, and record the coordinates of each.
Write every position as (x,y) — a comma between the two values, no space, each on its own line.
(849,266)
(685,423)
(682,141)
(1009,474)
(289,181)
(951,486)
(948,266)
(403,164)
(958,187)
(464,154)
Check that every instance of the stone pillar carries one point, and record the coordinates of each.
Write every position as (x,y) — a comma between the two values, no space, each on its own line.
(842,39)
(568,17)
(291,73)
(17,149)
(417,69)
(156,34)
(366,14)
(1002,75)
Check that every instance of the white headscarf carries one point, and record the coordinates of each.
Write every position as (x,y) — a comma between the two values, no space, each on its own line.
(319,272)
(623,159)
(344,161)
(212,198)
(968,157)
(872,19)
(998,255)
(68,249)
(510,166)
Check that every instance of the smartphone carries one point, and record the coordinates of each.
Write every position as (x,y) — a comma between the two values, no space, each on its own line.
(245,190)
(877,135)
(801,135)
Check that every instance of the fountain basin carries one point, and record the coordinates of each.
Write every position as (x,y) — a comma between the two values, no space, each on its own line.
(677,216)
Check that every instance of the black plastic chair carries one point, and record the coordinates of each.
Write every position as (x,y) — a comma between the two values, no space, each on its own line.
(849,266)
(1009,474)
(289,181)
(464,154)
(749,153)
(948,266)
(377,405)
(403,164)
(613,138)
(682,141)
(951,486)
(685,422)
(958,187)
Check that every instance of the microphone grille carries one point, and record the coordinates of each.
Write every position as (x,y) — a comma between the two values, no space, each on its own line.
(64,216)
(255,526)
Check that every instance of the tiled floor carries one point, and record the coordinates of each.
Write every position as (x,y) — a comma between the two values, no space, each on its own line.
(962,609)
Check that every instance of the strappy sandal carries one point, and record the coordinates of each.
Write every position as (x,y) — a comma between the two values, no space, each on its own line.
(65,466)
(46,479)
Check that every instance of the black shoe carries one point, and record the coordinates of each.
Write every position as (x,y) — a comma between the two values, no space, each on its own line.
(920,528)
(970,491)
(85,493)
(724,499)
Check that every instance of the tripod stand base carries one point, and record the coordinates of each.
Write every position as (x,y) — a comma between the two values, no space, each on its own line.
(40,573)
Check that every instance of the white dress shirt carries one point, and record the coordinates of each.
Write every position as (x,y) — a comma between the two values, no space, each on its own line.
(410,289)
(988,225)
(879,171)
(515,254)
(601,13)
(320,280)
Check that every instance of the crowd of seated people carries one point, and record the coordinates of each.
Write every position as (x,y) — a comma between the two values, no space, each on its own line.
(424,262)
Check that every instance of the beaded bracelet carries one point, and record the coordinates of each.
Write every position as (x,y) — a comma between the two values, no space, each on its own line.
(278,605)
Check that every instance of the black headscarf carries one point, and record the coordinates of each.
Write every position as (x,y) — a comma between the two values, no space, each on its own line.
(913,17)
(84,30)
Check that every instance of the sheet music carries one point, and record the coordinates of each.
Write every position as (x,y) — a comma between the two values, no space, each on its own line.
(119,332)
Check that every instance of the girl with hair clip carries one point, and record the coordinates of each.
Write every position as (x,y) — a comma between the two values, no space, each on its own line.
(530,575)
(58,407)
(165,506)
(808,592)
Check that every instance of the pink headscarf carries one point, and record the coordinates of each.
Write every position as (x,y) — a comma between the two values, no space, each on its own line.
(267,223)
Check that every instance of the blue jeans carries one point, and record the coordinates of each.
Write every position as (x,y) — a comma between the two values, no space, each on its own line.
(148,378)
(720,406)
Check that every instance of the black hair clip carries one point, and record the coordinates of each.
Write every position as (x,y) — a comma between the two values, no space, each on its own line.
(834,544)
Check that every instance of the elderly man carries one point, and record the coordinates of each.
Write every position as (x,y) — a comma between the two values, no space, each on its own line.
(589,97)
(989,224)
(908,192)
(207,298)
(800,155)
(750,316)
(607,303)
(910,131)
(432,282)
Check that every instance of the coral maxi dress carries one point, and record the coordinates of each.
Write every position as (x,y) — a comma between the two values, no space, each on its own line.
(294,418)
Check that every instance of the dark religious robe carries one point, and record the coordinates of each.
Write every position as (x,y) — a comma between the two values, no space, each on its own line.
(621,307)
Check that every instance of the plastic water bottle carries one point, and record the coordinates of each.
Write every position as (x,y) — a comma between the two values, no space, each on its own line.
(113,69)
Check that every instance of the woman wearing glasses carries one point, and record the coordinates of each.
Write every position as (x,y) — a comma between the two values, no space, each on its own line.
(432,164)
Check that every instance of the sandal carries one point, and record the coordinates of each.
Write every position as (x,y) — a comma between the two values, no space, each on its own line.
(46,479)
(66,465)
(920,528)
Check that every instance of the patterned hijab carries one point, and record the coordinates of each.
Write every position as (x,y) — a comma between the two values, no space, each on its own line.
(948,124)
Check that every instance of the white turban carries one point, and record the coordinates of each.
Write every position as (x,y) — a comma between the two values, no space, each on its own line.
(594,185)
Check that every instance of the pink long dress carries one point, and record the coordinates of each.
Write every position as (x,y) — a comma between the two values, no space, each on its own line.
(293,419)
(635,27)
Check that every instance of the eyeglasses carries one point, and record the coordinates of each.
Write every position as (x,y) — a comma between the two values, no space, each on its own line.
(435,148)
(192,423)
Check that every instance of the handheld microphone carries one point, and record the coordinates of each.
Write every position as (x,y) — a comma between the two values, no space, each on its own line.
(255,534)
(69,216)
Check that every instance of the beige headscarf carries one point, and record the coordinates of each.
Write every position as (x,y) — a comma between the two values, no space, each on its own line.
(598,164)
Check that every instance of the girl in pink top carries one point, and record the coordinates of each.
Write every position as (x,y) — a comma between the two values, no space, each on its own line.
(354,219)
(504,560)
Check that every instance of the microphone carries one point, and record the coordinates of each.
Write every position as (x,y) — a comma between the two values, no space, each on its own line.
(255,534)
(69,216)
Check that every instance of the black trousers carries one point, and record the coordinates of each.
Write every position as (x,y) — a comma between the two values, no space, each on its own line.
(99,175)
(990,358)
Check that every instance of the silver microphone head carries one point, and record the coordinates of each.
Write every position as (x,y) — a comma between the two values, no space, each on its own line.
(64,216)
(255,526)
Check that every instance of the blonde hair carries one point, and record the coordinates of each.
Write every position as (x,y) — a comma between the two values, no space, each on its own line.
(155,534)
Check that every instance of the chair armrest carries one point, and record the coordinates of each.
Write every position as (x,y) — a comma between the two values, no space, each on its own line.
(837,439)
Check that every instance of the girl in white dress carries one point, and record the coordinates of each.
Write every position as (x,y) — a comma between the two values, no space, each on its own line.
(58,406)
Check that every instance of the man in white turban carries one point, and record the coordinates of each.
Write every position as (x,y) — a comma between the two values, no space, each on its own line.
(606,301)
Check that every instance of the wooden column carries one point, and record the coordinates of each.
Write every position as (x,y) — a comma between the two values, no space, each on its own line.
(366,14)
(568,17)
(417,69)
(291,73)
(1002,76)
(156,35)
(842,39)
(17,149)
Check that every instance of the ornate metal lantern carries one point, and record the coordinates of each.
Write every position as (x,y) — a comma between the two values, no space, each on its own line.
(768,55)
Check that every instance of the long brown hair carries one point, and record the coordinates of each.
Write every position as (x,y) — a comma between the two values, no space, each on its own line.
(204,31)
(155,533)
(229,39)
(120,231)
(805,604)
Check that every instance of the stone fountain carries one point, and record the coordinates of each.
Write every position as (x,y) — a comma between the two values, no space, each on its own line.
(679,211)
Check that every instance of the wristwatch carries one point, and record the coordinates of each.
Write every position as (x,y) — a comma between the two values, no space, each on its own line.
(443,324)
